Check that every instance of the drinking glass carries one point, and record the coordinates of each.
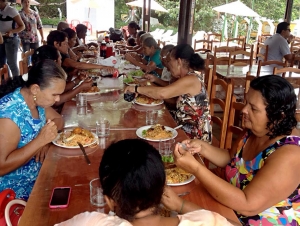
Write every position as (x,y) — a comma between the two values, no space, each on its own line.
(103,128)
(151,117)
(166,148)
(96,193)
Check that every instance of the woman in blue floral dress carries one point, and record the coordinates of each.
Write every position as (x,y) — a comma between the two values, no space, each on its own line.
(28,124)
(262,182)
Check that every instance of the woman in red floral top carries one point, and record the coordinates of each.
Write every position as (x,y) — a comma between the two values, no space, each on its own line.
(29,36)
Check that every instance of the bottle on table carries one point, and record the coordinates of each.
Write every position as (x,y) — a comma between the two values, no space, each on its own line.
(103,49)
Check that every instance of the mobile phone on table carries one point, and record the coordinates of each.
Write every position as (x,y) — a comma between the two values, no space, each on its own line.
(60,197)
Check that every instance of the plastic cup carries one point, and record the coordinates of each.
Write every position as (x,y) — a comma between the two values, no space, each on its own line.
(96,193)
(103,128)
(166,150)
(81,100)
(151,117)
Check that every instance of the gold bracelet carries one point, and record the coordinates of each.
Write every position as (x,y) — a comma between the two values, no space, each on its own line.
(180,211)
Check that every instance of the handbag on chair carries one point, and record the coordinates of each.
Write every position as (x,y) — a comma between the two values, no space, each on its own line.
(11,209)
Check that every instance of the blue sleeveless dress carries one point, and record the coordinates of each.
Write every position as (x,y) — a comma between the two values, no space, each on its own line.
(14,107)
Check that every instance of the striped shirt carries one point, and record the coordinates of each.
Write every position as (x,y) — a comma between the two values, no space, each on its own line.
(7,22)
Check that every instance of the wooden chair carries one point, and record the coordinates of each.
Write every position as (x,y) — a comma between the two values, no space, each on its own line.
(249,78)
(284,70)
(263,38)
(4,73)
(101,33)
(269,62)
(295,46)
(262,56)
(234,129)
(209,60)
(240,42)
(205,47)
(23,63)
(235,60)
(208,77)
(215,38)
(73,24)
(159,43)
(295,61)
(223,103)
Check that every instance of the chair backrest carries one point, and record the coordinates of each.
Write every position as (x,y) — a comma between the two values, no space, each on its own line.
(27,54)
(262,55)
(269,62)
(224,49)
(4,73)
(223,102)
(208,78)
(204,45)
(249,78)
(295,46)
(284,70)
(237,57)
(74,23)
(215,38)
(232,129)
(240,42)
(262,38)
(23,67)
(295,61)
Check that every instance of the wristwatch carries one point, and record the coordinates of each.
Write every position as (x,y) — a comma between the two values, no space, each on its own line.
(135,89)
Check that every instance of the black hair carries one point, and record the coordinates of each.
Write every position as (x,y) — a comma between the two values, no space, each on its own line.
(132,174)
(56,36)
(149,42)
(282,27)
(70,32)
(45,52)
(41,73)
(280,101)
(140,33)
(62,25)
(185,52)
(81,28)
(131,41)
(134,25)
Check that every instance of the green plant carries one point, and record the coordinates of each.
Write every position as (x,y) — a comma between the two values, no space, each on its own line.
(51,21)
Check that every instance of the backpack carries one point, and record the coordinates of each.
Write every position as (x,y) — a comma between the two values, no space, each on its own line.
(11,209)
(115,34)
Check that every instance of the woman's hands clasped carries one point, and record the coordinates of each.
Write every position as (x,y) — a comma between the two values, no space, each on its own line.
(48,133)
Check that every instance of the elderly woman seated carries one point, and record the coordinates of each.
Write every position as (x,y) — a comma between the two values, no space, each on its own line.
(262,169)
(28,124)
(133,186)
(188,92)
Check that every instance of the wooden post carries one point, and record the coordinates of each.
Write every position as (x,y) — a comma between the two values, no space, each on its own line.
(146,15)
(186,21)
(288,11)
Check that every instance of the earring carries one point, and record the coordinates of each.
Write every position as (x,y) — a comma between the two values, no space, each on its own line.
(34,97)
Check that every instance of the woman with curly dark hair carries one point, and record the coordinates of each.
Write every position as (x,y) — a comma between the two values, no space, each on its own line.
(263,168)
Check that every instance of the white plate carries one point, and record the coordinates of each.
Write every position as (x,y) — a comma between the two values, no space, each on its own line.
(84,145)
(148,105)
(139,133)
(184,182)
(130,84)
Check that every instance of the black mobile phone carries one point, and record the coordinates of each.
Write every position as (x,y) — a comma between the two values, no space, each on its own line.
(60,197)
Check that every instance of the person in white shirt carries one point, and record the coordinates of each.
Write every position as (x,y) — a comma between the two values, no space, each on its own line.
(278,43)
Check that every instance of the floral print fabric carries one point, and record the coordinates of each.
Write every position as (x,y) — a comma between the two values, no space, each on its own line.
(32,24)
(194,114)
(240,172)
(14,107)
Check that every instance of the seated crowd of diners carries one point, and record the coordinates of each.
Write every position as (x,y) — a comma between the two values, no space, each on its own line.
(261,182)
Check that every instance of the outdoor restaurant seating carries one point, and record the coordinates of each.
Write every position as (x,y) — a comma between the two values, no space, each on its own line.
(269,62)
(205,45)
(235,60)
(259,55)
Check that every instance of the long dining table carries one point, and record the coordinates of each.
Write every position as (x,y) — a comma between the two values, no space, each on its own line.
(67,167)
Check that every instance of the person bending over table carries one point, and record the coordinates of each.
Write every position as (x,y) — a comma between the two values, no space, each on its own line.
(28,124)
(165,72)
(262,169)
(59,40)
(81,31)
(192,107)
(137,203)
(72,87)
(151,59)
(73,53)
(137,48)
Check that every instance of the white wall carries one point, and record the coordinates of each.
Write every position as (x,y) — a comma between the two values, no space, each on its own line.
(101,18)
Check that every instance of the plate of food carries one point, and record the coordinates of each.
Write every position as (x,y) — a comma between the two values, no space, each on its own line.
(146,101)
(136,74)
(156,133)
(92,91)
(69,138)
(130,81)
(176,177)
